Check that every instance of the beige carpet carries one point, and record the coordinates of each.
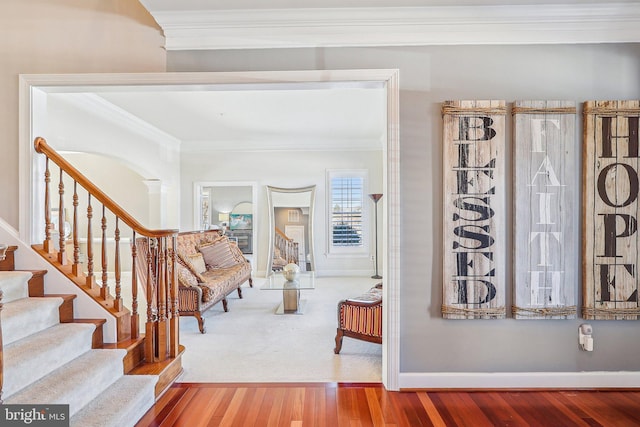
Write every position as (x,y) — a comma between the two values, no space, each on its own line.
(252,344)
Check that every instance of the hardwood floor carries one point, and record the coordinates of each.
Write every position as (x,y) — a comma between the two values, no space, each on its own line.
(331,404)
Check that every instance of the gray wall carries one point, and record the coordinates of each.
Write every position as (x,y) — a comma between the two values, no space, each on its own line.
(429,76)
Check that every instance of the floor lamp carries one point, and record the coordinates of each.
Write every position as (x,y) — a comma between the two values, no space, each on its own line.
(375,198)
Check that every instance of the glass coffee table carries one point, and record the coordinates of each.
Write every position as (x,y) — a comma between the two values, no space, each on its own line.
(291,302)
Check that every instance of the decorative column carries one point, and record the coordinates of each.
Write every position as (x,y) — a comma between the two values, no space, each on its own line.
(157,203)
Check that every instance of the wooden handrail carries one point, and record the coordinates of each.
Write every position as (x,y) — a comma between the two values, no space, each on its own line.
(42,147)
(284,236)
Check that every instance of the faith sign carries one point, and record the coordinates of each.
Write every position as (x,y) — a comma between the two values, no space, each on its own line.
(474,210)
(545,220)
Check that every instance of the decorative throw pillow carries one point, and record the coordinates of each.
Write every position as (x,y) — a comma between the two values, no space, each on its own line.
(195,263)
(218,254)
(186,277)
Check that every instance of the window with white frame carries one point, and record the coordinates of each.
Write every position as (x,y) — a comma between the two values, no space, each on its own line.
(346,211)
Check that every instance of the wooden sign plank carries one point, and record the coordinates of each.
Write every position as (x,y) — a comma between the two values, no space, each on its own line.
(545,216)
(474,210)
(611,239)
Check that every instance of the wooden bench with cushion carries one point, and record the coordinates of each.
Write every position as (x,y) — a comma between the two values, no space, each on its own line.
(210,267)
(360,317)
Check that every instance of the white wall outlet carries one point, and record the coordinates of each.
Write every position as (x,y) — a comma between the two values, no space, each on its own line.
(585,337)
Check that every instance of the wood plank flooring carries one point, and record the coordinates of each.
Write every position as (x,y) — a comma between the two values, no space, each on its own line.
(341,404)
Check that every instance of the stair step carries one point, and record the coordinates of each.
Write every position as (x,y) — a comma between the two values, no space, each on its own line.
(31,358)
(66,308)
(8,263)
(121,405)
(36,283)
(98,337)
(69,384)
(14,285)
(26,316)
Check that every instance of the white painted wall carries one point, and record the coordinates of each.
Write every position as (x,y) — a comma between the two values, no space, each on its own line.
(290,169)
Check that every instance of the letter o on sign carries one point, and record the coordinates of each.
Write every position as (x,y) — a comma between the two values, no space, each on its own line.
(632,178)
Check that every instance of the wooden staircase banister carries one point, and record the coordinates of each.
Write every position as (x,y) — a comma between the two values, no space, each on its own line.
(41,146)
(288,247)
(161,327)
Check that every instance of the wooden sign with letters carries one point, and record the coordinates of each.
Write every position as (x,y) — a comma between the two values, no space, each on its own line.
(474,210)
(611,242)
(545,225)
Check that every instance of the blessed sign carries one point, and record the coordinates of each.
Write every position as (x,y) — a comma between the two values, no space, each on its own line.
(474,210)
(611,248)
(545,214)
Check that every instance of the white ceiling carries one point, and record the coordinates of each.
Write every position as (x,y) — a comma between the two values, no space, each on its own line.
(277,117)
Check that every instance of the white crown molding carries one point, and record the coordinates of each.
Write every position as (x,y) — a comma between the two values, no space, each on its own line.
(399,26)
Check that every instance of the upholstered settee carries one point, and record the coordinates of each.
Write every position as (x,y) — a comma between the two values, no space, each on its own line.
(209,268)
(360,317)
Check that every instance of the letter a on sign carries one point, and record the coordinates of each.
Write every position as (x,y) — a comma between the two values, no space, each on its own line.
(611,240)
(474,210)
(545,217)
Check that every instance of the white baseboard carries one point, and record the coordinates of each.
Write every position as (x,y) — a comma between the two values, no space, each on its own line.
(496,380)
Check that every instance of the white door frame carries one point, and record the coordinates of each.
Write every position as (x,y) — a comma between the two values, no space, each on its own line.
(387,79)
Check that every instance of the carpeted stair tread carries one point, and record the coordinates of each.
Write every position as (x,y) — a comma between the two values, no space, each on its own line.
(121,405)
(77,382)
(26,316)
(48,362)
(31,358)
(14,285)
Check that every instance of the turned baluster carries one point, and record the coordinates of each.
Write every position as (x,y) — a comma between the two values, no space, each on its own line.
(47,245)
(117,303)
(135,330)
(173,296)
(104,290)
(152,316)
(90,279)
(62,254)
(75,268)
(162,299)
(162,280)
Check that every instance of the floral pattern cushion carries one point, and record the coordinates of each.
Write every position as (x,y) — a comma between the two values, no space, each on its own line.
(197,268)
(185,276)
